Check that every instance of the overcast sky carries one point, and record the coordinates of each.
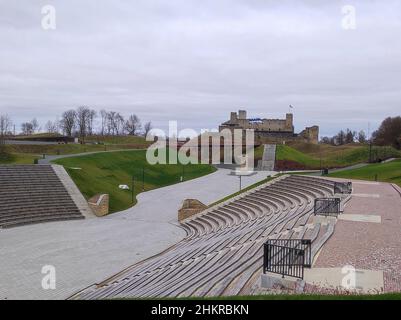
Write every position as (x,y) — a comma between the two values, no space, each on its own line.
(195,61)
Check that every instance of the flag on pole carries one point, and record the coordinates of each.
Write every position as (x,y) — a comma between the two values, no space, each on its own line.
(291,107)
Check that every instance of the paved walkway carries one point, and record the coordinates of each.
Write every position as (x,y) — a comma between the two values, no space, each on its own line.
(88,251)
(369,245)
(25,142)
(355,166)
(49,158)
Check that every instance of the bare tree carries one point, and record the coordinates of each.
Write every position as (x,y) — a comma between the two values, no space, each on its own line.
(114,123)
(5,125)
(52,126)
(83,116)
(147,127)
(340,138)
(327,140)
(111,123)
(361,136)
(119,123)
(350,136)
(35,125)
(68,122)
(103,115)
(91,118)
(27,128)
(133,125)
(30,127)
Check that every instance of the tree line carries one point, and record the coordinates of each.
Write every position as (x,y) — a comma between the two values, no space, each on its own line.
(388,134)
(81,122)
(345,137)
(5,127)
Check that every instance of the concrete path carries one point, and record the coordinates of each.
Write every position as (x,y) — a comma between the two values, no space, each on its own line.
(88,251)
(50,158)
(355,166)
(31,143)
(390,160)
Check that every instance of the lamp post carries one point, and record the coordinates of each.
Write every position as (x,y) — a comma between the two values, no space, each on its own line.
(370,150)
(143,179)
(320,160)
(132,189)
(240,183)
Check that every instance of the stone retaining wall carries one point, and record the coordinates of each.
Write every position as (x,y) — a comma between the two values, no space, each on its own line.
(99,204)
(189,208)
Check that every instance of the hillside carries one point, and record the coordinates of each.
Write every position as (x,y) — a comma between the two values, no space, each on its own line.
(26,153)
(17,158)
(104,172)
(36,136)
(312,156)
(386,172)
(118,140)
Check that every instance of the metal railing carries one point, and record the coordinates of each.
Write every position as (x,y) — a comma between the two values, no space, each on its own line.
(327,206)
(343,187)
(287,257)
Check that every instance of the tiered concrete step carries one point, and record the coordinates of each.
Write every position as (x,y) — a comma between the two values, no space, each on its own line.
(268,158)
(33,194)
(223,251)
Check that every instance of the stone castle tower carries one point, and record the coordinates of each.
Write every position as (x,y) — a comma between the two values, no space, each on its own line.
(271,130)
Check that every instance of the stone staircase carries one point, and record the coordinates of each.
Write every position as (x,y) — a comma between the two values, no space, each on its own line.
(33,194)
(223,250)
(269,158)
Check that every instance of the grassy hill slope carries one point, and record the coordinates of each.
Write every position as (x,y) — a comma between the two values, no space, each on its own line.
(307,156)
(26,153)
(17,158)
(104,172)
(386,172)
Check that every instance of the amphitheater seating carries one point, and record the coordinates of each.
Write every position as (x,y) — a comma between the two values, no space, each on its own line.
(222,253)
(33,194)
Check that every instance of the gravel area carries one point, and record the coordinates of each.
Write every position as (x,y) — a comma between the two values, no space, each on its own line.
(365,245)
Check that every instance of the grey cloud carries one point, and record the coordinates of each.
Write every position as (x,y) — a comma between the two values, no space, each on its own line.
(195,61)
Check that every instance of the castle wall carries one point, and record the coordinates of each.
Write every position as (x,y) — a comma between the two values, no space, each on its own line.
(277,130)
(310,134)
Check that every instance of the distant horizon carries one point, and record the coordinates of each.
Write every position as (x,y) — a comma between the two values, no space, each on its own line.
(42,129)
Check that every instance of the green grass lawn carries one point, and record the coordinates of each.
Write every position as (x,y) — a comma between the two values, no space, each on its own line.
(284,152)
(94,144)
(244,190)
(118,140)
(308,155)
(17,158)
(104,172)
(386,172)
(36,135)
(71,148)
(305,296)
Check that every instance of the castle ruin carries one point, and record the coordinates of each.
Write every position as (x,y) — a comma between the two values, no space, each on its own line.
(271,130)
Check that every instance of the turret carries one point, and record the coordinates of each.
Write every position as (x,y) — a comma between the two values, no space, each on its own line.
(289,122)
(242,114)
